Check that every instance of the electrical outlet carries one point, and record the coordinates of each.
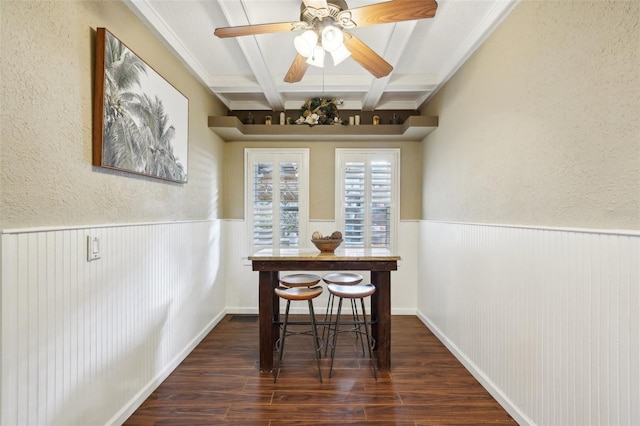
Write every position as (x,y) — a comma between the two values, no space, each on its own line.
(93,248)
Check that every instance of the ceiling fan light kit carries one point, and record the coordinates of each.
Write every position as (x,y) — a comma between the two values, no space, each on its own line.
(324,22)
(312,47)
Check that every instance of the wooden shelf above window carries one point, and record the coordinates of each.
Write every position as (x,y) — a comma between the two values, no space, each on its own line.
(231,129)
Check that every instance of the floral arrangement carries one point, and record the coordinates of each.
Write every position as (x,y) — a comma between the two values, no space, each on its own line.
(320,111)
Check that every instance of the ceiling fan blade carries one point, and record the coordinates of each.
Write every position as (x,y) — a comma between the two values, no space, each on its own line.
(244,30)
(388,12)
(297,69)
(365,56)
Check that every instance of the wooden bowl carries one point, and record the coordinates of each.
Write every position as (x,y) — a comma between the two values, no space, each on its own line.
(327,246)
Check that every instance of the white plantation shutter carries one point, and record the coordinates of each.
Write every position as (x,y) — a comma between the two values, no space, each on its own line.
(277,197)
(288,212)
(380,186)
(262,204)
(355,199)
(367,184)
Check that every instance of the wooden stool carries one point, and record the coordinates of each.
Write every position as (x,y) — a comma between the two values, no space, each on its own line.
(353,292)
(298,287)
(341,278)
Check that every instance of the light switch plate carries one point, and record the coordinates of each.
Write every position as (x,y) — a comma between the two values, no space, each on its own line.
(93,248)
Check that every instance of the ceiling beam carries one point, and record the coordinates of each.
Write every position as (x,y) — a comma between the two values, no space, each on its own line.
(236,14)
(396,47)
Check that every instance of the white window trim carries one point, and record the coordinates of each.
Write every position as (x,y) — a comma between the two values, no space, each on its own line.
(280,154)
(343,155)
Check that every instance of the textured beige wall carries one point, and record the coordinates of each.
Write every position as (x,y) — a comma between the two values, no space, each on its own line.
(321,175)
(542,125)
(46,94)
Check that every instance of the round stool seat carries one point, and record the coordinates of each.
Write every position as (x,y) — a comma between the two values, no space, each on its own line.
(300,280)
(352,291)
(344,278)
(298,293)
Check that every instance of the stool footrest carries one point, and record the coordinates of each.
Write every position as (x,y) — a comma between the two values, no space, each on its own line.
(326,323)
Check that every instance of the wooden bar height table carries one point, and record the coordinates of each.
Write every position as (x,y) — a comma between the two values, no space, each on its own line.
(269,263)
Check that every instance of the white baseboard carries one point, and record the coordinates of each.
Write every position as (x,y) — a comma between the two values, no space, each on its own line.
(496,393)
(144,393)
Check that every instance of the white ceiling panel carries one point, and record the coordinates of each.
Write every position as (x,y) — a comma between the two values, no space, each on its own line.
(247,72)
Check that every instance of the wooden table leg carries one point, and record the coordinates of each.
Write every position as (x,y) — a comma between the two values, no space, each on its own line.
(269,314)
(381,312)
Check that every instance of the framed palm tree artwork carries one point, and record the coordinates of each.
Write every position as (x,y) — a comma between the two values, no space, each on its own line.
(140,120)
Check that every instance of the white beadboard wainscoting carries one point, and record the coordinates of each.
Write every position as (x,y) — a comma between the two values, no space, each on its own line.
(546,319)
(84,343)
(242,284)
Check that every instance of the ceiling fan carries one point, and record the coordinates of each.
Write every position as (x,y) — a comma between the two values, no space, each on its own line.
(325,23)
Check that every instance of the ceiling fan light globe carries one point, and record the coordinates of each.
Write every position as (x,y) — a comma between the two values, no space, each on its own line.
(305,43)
(340,54)
(317,57)
(332,38)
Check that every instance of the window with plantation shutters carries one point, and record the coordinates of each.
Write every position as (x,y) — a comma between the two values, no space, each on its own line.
(277,198)
(367,184)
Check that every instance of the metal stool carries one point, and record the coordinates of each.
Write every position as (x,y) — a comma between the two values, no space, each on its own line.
(353,292)
(298,287)
(340,278)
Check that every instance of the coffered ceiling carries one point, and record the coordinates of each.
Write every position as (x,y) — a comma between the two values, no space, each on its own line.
(248,72)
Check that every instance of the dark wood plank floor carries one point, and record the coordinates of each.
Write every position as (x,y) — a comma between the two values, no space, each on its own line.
(220,383)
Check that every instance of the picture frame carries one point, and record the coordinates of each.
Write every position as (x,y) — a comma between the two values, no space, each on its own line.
(141,121)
